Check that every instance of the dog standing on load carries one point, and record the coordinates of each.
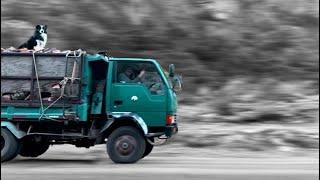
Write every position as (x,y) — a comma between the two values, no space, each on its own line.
(38,41)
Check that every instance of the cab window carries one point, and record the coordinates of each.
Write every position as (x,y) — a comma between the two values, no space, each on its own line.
(144,73)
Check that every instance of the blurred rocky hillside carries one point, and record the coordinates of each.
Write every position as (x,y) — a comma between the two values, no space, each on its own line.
(243,60)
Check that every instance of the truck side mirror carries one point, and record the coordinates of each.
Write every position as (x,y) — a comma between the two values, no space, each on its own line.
(177,83)
(171,70)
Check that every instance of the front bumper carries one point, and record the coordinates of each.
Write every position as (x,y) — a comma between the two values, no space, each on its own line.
(171,130)
(165,133)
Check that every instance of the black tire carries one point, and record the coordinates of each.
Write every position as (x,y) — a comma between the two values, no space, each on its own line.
(32,148)
(126,145)
(148,149)
(10,145)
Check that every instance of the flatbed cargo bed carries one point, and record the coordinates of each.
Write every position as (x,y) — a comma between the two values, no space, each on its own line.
(22,71)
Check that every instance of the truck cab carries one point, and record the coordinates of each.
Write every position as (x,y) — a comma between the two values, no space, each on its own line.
(85,99)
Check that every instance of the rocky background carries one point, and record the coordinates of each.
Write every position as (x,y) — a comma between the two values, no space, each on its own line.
(250,67)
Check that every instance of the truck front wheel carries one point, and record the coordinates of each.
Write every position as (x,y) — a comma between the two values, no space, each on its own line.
(9,145)
(126,145)
(31,148)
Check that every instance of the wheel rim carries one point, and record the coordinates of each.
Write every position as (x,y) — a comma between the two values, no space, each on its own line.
(2,142)
(125,145)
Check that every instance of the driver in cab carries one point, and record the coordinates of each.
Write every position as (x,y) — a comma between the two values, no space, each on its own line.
(148,79)
(129,76)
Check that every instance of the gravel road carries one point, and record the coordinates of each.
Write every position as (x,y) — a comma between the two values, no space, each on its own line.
(66,162)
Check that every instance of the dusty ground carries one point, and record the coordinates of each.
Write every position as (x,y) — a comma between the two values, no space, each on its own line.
(201,150)
(201,126)
(206,147)
(170,161)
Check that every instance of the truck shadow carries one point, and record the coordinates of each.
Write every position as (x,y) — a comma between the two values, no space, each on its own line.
(53,161)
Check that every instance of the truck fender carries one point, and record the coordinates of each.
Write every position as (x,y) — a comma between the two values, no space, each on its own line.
(127,116)
(13,129)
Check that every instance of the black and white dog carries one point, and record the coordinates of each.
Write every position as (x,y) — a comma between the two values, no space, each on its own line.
(39,39)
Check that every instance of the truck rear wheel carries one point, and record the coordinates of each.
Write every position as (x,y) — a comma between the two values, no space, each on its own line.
(126,145)
(9,145)
(31,148)
(148,149)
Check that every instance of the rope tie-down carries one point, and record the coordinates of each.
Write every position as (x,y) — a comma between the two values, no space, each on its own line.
(76,54)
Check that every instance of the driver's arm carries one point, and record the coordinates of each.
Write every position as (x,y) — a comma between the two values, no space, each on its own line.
(125,78)
(138,78)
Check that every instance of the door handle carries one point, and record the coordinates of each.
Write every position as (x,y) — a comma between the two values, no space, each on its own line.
(117,102)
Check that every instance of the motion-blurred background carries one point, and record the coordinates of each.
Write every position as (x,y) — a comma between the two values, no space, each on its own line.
(250,67)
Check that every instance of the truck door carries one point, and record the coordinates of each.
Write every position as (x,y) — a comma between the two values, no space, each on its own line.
(137,87)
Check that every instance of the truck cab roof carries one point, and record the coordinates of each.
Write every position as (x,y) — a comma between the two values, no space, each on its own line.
(130,59)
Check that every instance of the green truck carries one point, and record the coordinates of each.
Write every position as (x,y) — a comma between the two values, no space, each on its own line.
(83,99)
